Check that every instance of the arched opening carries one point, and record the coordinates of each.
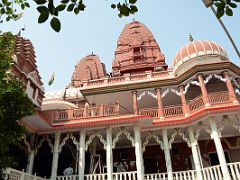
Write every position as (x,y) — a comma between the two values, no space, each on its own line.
(43,161)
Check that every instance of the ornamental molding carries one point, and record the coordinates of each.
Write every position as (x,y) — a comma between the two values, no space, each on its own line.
(170,90)
(149,136)
(128,135)
(67,137)
(40,143)
(210,76)
(144,93)
(90,140)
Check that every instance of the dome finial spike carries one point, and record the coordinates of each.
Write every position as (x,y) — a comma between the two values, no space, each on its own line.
(134,20)
(190,37)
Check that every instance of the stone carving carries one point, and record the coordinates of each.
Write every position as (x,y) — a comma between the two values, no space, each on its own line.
(128,135)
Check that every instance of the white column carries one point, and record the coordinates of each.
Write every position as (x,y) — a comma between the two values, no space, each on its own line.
(167,154)
(81,162)
(196,159)
(220,151)
(30,161)
(138,153)
(109,154)
(55,155)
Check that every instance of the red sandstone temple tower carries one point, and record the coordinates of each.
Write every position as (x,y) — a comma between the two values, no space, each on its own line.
(143,120)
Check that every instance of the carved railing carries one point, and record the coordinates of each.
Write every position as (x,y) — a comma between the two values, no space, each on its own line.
(186,175)
(170,111)
(132,175)
(152,112)
(138,77)
(234,169)
(162,176)
(195,104)
(12,174)
(87,112)
(109,110)
(218,97)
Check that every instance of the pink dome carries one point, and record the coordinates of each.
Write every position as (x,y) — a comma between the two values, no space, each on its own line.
(198,48)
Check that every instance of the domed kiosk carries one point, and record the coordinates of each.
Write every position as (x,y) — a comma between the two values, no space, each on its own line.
(88,68)
(137,51)
(198,52)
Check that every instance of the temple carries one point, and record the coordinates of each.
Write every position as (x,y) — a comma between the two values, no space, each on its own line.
(145,120)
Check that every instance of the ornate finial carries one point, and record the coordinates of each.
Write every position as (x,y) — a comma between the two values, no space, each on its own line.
(190,38)
(134,20)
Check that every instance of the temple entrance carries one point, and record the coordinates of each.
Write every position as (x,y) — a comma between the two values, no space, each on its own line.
(43,161)
(67,158)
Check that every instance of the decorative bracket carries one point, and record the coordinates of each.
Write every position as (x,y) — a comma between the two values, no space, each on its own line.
(68,136)
(95,134)
(128,135)
(154,136)
(44,138)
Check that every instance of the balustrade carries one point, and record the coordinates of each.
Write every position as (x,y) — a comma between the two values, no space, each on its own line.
(170,111)
(152,112)
(196,103)
(157,176)
(188,175)
(132,175)
(209,173)
(87,112)
(13,174)
(218,97)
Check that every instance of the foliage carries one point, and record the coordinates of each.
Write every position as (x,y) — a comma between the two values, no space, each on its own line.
(50,9)
(14,103)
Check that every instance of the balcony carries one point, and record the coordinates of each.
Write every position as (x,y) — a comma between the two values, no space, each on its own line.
(87,112)
(215,99)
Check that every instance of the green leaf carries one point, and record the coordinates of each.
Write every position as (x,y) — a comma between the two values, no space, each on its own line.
(81,7)
(61,7)
(43,17)
(220,14)
(42,9)
(132,1)
(70,7)
(65,1)
(133,9)
(51,7)
(39,2)
(74,1)
(229,12)
(27,4)
(22,6)
(233,5)
(55,24)
(220,5)
(76,10)
(113,6)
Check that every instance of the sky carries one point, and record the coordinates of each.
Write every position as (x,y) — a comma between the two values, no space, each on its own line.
(97,30)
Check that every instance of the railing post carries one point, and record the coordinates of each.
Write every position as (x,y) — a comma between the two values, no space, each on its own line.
(167,154)
(138,153)
(81,159)
(135,102)
(101,110)
(55,156)
(219,149)
(184,102)
(31,155)
(203,90)
(160,106)
(109,154)
(194,147)
(231,92)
